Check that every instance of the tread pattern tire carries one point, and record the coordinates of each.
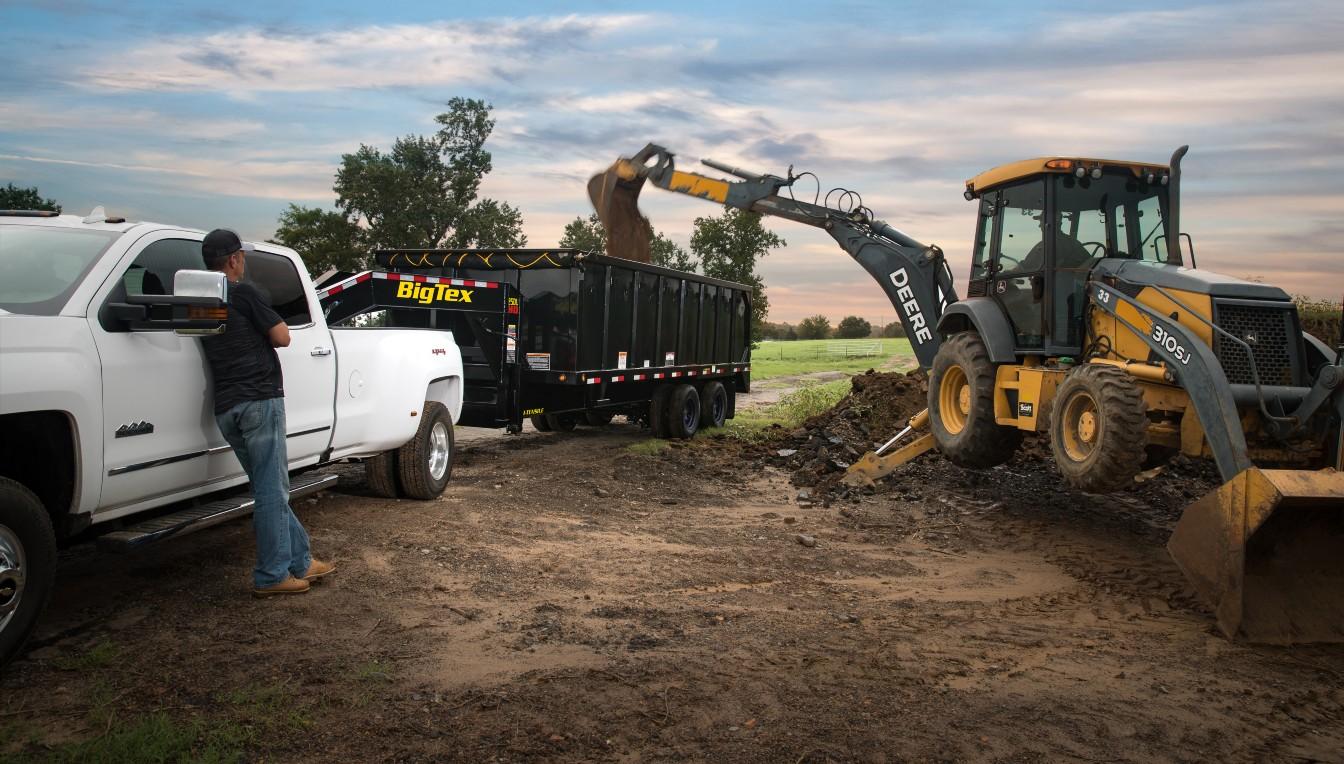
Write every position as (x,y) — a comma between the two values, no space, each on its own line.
(562,422)
(540,424)
(1121,436)
(658,410)
(713,395)
(417,482)
(682,423)
(23,514)
(982,442)
(380,474)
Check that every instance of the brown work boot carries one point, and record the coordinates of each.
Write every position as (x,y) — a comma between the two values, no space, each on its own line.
(318,569)
(290,585)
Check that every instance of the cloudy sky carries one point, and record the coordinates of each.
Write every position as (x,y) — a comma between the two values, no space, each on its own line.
(222,114)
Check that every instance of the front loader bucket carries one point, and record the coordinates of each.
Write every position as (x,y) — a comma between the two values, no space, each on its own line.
(615,197)
(1266,551)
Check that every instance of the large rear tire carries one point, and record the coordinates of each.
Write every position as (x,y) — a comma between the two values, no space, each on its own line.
(1098,428)
(714,404)
(425,463)
(683,412)
(540,423)
(27,565)
(380,474)
(562,422)
(961,405)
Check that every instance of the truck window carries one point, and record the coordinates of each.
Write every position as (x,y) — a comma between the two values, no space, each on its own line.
(278,281)
(41,266)
(154,268)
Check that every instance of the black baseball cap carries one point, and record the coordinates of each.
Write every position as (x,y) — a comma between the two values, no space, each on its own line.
(220,243)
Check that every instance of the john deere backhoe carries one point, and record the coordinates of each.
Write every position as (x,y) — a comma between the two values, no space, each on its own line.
(1083,320)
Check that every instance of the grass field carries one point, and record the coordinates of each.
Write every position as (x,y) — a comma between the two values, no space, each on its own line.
(783,359)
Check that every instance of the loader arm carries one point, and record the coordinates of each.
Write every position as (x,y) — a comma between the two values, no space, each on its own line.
(914,276)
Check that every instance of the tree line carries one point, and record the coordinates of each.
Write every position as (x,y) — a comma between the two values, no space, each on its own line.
(819,327)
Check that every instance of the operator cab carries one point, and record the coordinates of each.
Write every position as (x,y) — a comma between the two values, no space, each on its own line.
(1045,223)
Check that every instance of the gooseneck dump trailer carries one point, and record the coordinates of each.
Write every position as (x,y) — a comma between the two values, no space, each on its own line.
(566,337)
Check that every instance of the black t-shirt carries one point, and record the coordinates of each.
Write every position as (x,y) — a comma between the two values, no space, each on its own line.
(242,359)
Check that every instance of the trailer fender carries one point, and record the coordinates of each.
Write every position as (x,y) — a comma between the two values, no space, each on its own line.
(984,317)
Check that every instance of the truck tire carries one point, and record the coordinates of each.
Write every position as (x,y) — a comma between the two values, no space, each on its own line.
(1098,428)
(683,412)
(27,565)
(425,463)
(539,422)
(658,410)
(597,418)
(714,404)
(380,474)
(562,422)
(961,405)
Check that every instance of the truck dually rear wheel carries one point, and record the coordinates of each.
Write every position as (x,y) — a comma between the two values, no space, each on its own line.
(27,565)
(425,463)
(1098,428)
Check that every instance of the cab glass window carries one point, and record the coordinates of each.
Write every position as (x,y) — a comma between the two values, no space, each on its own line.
(276,278)
(153,270)
(983,229)
(1021,218)
(41,266)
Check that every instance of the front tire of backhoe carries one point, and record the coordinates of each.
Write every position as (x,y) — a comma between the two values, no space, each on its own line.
(1098,428)
(961,405)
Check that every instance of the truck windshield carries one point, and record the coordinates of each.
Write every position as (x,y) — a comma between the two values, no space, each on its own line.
(1116,215)
(41,266)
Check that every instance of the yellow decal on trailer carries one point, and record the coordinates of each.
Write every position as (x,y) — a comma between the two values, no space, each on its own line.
(428,293)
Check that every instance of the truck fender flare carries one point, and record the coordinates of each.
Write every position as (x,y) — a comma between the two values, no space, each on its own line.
(984,317)
(448,391)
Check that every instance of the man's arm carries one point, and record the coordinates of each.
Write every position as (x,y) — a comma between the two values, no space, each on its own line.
(279,335)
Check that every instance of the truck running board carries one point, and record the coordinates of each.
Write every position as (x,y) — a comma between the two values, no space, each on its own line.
(202,516)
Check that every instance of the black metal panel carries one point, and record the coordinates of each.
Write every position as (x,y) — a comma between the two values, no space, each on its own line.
(708,317)
(724,328)
(621,315)
(592,297)
(645,350)
(669,321)
(690,324)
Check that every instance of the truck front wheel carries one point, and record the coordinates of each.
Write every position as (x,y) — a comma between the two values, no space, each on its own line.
(27,565)
(426,461)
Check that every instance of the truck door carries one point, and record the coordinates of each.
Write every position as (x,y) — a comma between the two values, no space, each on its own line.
(308,364)
(1017,261)
(158,414)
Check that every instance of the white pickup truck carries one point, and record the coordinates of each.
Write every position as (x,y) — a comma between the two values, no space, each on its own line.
(106,417)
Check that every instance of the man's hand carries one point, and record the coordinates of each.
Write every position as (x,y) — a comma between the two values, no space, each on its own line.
(279,335)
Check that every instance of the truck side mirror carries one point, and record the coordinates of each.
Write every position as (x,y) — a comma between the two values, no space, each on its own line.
(199,305)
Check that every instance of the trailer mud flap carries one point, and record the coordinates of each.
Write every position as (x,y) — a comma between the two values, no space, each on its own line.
(1266,551)
(615,197)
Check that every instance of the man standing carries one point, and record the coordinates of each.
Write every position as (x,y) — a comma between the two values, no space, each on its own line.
(250,411)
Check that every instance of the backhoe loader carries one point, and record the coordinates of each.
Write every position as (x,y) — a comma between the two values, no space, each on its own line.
(1084,321)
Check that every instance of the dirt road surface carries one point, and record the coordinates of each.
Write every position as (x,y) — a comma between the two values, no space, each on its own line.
(568,599)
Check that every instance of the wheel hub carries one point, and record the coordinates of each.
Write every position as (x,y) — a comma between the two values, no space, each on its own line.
(1087,426)
(13,574)
(964,399)
(954,400)
(439,450)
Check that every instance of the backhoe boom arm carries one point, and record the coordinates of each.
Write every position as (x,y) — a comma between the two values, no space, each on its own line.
(915,276)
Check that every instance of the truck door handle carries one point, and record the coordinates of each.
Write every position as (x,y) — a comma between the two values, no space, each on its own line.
(320,351)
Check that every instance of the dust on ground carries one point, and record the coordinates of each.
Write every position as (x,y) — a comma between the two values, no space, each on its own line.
(568,599)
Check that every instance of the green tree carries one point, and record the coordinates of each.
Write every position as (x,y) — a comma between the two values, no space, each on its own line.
(728,247)
(323,239)
(893,329)
(666,253)
(853,327)
(587,234)
(814,328)
(14,198)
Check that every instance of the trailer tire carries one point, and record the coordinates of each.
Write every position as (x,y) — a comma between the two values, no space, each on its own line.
(380,474)
(425,463)
(961,405)
(658,410)
(683,412)
(562,422)
(597,418)
(540,423)
(27,565)
(714,404)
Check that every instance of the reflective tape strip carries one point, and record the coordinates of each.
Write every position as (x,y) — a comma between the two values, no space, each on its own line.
(593,380)
(691,373)
(618,379)
(676,374)
(639,377)
(659,375)
(432,280)
(344,285)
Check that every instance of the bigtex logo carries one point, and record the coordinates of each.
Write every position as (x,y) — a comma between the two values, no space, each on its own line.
(427,293)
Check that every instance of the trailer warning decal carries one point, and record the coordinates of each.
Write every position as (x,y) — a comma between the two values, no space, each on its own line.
(539,361)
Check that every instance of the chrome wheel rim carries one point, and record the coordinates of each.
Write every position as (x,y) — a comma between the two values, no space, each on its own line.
(13,572)
(439,451)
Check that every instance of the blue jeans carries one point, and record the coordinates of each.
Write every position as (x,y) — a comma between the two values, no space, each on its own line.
(256,430)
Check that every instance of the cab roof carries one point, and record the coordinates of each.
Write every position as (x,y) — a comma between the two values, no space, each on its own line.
(1007,173)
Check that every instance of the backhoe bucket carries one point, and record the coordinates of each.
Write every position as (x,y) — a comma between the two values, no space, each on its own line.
(615,197)
(1266,551)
